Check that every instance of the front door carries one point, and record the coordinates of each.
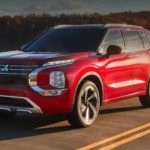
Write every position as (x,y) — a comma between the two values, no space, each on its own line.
(118,69)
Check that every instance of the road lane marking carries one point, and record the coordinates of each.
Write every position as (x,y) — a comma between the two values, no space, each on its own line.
(99,143)
(126,140)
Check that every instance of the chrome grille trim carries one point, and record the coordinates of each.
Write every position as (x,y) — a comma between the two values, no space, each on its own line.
(17,69)
(24,66)
(20,69)
(23,74)
(19,65)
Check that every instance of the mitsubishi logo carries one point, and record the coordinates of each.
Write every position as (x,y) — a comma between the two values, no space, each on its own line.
(5,68)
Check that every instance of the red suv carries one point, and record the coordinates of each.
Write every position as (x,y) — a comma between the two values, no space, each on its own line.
(75,69)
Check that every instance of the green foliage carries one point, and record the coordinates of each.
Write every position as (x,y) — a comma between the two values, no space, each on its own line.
(18,30)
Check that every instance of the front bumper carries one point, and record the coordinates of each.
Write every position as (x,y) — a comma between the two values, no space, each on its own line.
(40,103)
(43,92)
(8,108)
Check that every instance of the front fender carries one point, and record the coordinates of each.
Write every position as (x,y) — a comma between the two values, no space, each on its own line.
(79,77)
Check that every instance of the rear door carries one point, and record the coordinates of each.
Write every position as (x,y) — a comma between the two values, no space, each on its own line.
(138,43)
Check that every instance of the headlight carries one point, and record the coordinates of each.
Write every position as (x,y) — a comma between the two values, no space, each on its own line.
(57,79)
(58,63)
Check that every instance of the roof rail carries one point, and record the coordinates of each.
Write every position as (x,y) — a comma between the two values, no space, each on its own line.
(123,25)
(62,25)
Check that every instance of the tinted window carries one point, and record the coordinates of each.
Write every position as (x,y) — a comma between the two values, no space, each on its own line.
(68,40)
(145,39)
(113,38)
(133,41)
(148,34)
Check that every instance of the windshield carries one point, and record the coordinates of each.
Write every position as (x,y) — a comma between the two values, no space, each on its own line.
(67,40)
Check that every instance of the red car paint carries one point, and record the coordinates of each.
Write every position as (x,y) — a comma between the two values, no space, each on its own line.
(121,76)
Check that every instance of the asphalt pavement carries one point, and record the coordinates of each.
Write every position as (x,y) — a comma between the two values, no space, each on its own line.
(123,125)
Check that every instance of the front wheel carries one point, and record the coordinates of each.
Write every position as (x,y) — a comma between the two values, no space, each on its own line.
(86,107)
(145,100)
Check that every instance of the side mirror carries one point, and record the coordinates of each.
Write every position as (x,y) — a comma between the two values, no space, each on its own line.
(113,50)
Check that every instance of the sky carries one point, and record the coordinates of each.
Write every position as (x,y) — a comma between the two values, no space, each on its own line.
(25,7)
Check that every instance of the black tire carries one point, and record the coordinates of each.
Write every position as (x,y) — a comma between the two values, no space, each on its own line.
(7,115)
(145,100)
(86,107)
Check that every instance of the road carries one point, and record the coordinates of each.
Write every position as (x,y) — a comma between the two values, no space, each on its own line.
(38,132)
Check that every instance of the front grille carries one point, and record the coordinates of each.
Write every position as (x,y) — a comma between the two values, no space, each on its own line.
(14,102)
(15,69)
(13,80)
(14,75)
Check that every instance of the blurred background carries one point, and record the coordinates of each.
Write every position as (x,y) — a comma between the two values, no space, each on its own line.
(22,20)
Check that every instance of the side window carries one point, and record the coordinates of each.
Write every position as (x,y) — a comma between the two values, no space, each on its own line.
(133,41)
(114,37)
(145,39)
(148,34)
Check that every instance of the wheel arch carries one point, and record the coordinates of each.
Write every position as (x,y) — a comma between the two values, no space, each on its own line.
(94,77)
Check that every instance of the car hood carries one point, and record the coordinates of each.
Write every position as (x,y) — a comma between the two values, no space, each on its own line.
(27,55)
(37,57)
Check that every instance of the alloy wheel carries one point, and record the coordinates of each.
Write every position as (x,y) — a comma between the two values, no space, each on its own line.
(89,103)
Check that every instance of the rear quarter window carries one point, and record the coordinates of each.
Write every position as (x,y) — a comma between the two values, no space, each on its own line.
(148,34)
(145,39)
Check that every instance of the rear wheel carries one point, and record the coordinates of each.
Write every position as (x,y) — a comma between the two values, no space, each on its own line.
(145,100)
(87,105)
